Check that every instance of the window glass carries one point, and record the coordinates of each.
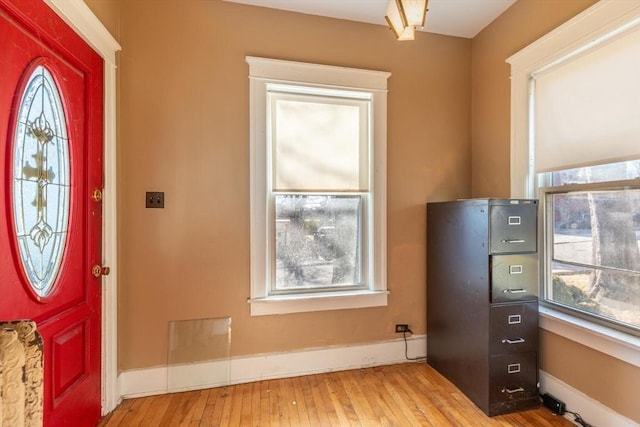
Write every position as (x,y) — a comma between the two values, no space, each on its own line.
(318,241)
(41,180)
(598,173)
(594,241)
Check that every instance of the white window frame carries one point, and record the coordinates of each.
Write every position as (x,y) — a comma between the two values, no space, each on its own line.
(264,71)
(593,23)
(547,189)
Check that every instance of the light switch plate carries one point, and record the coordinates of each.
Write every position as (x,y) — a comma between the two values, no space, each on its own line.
(155,199)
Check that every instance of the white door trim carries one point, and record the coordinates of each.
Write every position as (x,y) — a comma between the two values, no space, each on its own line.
(79,17)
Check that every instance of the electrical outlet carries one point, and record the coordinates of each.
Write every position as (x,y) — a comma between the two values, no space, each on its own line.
(402,327)
(155,199)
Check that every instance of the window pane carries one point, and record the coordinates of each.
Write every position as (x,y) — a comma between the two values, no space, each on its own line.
(597,228)
(318,241)
(319,143)
(596,252)
(598,173)
(573,286)
(41,181)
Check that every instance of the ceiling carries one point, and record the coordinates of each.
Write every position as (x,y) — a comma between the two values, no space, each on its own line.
(461,18)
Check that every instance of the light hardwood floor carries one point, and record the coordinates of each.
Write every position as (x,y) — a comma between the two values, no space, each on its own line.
(410,394)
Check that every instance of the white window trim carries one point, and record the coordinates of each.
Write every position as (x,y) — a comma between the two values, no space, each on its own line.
(596,21)
(261,72)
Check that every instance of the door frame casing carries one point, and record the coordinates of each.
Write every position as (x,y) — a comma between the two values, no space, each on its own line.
(83,21)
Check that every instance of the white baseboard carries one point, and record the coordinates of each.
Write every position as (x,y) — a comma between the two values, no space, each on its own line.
(150,381)
(592,411)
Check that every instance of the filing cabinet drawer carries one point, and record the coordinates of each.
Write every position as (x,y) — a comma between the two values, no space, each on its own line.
(513,377)
(514,277)
(514,328)
(513,228)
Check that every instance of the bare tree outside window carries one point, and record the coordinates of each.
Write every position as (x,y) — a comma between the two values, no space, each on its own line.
(596,243)
(318,242)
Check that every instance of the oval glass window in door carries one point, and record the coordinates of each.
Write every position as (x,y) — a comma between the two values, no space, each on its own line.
(41,180)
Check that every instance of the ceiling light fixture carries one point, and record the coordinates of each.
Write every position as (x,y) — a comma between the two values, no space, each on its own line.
(403,16)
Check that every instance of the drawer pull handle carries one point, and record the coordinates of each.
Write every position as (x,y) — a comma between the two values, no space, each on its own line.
(514,368)
(512,390)
(514,220)
(514,319)
(516,341)
(512,241)
(515,291)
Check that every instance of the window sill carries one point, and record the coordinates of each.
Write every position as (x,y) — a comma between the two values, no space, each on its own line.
(300,303)
(609,341)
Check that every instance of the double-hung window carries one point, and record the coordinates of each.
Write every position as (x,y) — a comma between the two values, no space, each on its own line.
(579,152)
(318,142)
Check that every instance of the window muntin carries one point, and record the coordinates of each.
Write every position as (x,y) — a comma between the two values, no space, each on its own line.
(593,241)
(41,180)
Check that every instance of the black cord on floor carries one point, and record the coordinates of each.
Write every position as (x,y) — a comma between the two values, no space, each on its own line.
(577,418)
(558,407)
(406,348)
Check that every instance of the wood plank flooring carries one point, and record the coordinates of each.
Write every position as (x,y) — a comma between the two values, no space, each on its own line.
(410,394)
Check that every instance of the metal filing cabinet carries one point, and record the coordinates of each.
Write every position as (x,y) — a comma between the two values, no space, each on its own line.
(482,303)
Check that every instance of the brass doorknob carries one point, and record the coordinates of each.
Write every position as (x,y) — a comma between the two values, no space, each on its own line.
(99,270)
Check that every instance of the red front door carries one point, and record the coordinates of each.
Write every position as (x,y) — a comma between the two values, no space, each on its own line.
(50,220)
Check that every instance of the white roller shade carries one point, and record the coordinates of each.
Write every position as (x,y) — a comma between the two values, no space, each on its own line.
(587,108)
(319,143)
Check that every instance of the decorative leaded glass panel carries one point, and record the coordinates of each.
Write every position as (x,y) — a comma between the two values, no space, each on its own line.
(41,180)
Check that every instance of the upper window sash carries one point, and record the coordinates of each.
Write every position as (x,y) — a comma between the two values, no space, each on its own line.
(319,140)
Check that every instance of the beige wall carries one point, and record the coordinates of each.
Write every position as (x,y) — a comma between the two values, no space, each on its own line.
(599,376)
(184,129)
(608,380)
